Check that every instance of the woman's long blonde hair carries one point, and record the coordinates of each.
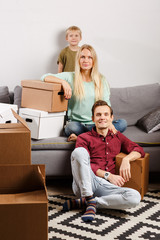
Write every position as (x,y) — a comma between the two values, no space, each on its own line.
(95,75)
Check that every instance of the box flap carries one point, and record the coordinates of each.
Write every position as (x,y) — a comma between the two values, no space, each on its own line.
(21,120)
(37,196)
(19,125)
(38,84)
(21,178)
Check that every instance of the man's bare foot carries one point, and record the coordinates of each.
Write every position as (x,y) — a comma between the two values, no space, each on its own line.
(72,138)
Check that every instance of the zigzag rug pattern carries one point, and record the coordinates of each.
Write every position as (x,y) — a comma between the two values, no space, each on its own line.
(142,222)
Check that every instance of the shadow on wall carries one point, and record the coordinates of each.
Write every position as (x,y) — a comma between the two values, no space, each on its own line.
(61,43)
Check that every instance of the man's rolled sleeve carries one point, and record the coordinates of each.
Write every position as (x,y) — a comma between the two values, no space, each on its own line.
(140,150)
(128,146)
(94,167)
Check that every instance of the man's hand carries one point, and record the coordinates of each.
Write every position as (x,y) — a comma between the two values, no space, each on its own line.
(124,170)
(116,180)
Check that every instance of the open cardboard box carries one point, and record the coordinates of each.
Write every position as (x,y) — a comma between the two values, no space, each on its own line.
(15,142)
(43,96)
(23,203)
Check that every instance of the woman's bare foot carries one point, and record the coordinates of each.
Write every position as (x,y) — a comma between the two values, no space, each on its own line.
(72,138)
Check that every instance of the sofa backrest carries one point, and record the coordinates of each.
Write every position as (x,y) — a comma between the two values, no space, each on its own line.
(132,103)
(5,96)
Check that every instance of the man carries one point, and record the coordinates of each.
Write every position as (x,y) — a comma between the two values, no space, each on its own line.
(93,167)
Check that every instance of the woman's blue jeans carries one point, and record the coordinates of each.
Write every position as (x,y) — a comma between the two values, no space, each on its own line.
(78,128)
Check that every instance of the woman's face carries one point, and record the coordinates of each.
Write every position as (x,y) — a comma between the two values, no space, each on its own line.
(86,60)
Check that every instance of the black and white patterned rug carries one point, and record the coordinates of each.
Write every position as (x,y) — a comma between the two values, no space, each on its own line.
(142,222)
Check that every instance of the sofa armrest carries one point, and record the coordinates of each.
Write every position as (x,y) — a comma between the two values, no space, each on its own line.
(17,95)
(139,173)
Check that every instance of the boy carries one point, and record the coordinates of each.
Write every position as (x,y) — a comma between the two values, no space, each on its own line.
(66,59)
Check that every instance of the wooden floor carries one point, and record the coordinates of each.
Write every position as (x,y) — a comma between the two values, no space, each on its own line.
(64,186)
(59,186)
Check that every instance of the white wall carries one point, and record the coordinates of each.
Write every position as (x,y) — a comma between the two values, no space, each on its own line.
(124,33)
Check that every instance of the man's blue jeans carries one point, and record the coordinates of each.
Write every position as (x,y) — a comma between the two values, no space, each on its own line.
(86,183)
(78,128)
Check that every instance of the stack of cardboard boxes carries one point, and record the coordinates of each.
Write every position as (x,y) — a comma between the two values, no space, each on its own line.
(23,195)
(43,108)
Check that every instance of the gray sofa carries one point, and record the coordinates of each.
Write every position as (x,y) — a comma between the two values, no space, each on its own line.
(131,103)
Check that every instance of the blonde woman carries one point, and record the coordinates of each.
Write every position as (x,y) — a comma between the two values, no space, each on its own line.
(83,88)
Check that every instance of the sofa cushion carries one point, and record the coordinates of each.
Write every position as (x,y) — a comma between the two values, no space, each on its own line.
(4,95)
(151,121)
(132,103)
(52,144)
(142,138)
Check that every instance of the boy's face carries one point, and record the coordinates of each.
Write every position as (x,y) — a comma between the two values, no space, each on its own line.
(73,38)
(102,117)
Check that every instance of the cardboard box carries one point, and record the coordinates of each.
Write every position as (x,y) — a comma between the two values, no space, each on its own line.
(15,142)
(43,124)
(23,203)
(43,96)
(6,115)
(139,173)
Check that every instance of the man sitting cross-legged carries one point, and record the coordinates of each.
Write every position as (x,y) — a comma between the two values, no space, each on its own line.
(93,167)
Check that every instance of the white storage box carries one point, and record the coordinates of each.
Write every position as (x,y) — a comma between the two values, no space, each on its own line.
(43,124)
(6,115)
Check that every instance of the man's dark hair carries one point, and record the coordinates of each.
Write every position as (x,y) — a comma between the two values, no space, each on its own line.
(101,103)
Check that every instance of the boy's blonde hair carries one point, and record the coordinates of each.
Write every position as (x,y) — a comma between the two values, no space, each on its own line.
(73,28)
(95,75)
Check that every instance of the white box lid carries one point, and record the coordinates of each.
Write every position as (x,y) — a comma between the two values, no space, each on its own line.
(39,113)
(6,106)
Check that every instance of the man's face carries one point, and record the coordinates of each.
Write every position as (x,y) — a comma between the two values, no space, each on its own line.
(102,117)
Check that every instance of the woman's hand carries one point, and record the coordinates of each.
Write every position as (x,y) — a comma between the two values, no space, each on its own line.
(67,89)
(65,85)
(112,128)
